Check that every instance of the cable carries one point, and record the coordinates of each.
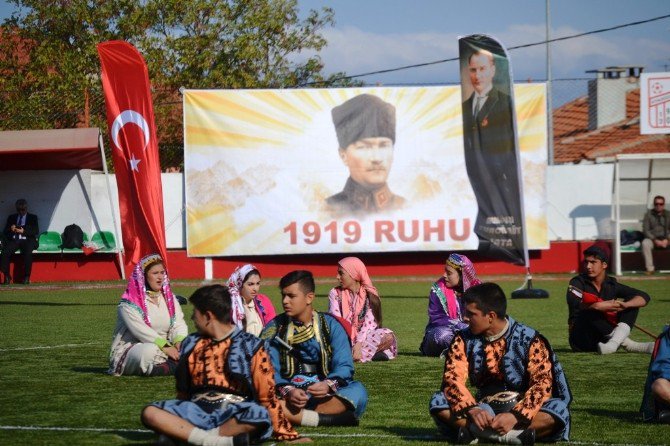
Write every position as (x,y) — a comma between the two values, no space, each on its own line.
(544,42)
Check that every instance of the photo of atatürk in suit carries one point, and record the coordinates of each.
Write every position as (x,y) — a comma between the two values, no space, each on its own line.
(490,158)
(365,127)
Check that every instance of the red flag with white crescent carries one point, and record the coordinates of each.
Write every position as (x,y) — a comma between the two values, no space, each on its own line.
(132,131)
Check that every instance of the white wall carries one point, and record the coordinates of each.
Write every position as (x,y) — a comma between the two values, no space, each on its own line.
(579,201)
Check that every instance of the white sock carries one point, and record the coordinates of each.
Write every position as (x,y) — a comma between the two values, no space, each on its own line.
(197,436)
(217,440)
(511,437)
(309,418)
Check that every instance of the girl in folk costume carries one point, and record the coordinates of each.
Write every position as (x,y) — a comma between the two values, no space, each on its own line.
(150,323)
(251,310)
(357,301)
(444,304)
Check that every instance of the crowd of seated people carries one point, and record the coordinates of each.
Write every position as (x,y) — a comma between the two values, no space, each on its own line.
(249,374)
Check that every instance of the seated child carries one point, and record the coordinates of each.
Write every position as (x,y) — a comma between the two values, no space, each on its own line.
(522,393)
(225,383)
(656,402)
(311,355)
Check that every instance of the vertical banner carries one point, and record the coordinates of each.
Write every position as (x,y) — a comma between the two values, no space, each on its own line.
(130,118)
(490,147)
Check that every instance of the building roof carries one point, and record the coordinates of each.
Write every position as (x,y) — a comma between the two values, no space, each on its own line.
(574,142)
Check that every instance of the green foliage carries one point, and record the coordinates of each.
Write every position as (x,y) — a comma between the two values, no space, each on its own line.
(50,66)
(66,387)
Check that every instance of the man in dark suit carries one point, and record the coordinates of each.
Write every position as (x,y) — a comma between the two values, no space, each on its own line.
(490,159)
(20,234)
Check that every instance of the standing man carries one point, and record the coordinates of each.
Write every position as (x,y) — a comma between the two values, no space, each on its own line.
(311,356)
(601,311)
(490,159)
(20,232)
(656,228)
(365,127)
(521,390)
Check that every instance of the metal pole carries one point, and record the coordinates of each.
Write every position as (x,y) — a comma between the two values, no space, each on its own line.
(119,241)
(550,114)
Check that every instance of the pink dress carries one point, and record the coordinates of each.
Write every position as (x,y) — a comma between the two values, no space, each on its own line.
(364,327)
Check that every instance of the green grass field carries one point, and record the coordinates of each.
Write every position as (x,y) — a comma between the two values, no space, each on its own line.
(55,340)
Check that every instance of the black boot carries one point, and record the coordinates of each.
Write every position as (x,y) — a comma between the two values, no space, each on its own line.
(464,436)
(664,417)
(346,418)
(8,279)
(380,356)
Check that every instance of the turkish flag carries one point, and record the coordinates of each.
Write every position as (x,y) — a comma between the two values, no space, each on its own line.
(130,118)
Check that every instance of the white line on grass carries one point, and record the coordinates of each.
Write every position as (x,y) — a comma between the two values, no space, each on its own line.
(306,434)
(47,347)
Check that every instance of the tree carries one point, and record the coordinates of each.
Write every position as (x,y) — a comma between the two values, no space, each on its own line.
(50,67)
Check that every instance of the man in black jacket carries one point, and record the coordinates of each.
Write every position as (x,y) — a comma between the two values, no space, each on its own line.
(20,233)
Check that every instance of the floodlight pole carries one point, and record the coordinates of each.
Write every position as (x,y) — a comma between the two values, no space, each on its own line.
(550,114)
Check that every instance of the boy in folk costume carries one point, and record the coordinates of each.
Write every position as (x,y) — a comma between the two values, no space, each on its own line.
(656,401)
(311,355)
(225,383)
(601,310)
(522,393)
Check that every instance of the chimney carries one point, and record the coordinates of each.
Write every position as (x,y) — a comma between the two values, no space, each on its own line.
(607,94)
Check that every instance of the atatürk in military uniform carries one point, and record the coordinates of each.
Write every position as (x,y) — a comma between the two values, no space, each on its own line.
(364,116)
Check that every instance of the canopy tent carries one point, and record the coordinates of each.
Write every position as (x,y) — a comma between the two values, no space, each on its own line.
(57,149)
(637,179)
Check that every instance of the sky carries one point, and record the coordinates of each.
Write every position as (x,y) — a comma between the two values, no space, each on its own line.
(372,35)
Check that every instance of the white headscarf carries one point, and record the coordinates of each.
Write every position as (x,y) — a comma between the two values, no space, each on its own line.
(235,282)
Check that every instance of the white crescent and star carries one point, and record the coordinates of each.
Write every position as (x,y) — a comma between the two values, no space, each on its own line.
(130,117)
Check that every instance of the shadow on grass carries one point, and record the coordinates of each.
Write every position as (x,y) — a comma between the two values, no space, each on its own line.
(147,438)
(58,304)
(414,433)
(631,416)
(92,370)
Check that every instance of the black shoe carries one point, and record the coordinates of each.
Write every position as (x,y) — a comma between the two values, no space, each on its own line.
(8,279)
(26,281)
(464,436)
(527,437)
(241,440)
(181,299)
(346,418)
(380,356)
(664,417)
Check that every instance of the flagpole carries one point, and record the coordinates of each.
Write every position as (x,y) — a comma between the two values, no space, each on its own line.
(111,206)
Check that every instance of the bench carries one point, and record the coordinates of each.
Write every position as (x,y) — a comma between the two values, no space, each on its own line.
(51,243)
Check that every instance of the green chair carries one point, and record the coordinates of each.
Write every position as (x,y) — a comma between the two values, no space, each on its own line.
(105,239)
(50,241)
(76,249)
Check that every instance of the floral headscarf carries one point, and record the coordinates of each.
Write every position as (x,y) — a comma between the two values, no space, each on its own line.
(353,303)
(235,282)
(466,269)
(136,291)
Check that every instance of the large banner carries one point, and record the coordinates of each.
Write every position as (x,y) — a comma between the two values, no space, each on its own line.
(490,147)
(342,170)
(130,118)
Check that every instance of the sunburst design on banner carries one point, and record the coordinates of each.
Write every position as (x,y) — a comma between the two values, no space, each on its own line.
(260,164)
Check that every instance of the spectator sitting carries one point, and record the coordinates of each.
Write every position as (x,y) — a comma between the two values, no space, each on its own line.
(20,233)
(656,228)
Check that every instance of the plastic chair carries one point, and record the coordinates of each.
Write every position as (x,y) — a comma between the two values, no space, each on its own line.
(105,239)
(50,241)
